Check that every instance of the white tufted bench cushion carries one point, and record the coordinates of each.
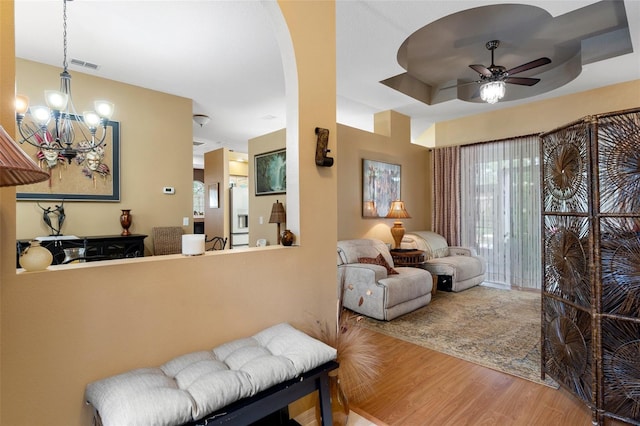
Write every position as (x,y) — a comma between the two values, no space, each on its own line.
(191,386)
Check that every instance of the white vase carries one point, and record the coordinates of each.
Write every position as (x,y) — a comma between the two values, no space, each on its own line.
(35,257)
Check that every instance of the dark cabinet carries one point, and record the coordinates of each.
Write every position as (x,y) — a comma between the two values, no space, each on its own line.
(95,248)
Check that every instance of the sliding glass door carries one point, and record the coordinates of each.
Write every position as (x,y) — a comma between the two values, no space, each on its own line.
(500,207)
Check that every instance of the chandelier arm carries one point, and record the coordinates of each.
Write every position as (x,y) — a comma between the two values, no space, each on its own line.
(27,138)
(104,136)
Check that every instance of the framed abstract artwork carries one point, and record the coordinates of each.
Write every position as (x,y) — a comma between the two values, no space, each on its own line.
(380,186)
(270,170)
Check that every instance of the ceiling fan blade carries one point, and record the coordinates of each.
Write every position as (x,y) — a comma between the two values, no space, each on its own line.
(523,81)
(459,85)
(481,69)
(529,65)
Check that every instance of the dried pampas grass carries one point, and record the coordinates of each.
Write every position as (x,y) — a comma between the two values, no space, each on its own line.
(357,355)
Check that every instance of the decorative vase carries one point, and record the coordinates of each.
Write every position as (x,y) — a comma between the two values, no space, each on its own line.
(35,257)
(287,238)
(339,402)
(125,222)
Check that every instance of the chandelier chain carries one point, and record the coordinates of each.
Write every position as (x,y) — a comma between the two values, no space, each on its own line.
(64,35)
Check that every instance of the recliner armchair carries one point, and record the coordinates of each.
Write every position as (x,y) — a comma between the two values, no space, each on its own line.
(369,286)
(457,268)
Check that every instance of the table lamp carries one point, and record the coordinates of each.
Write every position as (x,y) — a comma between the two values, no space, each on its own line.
(278,216)
(397,211)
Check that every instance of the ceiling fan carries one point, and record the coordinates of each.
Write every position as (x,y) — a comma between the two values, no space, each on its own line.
(494,77)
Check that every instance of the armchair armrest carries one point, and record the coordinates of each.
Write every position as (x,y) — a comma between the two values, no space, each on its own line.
(462,251)
(363,272)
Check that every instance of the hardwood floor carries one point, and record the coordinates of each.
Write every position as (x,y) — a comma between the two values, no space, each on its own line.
(423,387)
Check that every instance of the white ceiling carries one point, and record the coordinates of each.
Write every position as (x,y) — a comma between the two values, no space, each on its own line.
(224,56)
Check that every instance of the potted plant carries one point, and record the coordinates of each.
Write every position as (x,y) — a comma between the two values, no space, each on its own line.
(359,365)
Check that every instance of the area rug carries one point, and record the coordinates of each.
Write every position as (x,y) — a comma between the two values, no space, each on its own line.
(498,329)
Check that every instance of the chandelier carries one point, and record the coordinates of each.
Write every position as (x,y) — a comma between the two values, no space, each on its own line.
(493,91)
(53,128)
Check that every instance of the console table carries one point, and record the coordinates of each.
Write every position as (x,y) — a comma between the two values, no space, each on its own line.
(100,247)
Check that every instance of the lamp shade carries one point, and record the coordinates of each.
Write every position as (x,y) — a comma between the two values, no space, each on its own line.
(397,210)
(278,214)
(16,168)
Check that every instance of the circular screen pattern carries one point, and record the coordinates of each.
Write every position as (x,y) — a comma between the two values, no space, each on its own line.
(626,369)
(625,263)
(564,171)
(568,346)
(623,163)
(568,259)
(619,139)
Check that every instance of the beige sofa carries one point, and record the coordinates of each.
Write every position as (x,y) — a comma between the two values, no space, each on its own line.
(457,268)
(369,286)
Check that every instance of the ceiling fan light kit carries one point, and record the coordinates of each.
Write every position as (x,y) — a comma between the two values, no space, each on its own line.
(492,92)
(495,76)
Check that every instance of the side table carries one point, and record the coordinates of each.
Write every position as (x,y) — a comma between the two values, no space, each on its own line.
(415,259)
(407,257)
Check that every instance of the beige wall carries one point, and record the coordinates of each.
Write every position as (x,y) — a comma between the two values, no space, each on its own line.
(156,151)
(62,329)
(216,171)
(534,117)
(260,206)
(390,144)
(238,168)
(7,195)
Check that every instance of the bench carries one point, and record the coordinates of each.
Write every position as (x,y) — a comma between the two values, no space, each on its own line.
(236,383)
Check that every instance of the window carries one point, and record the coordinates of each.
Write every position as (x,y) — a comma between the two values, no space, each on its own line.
(198,198)
(500,184)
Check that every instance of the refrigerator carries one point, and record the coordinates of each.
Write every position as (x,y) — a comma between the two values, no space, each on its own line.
(239,197)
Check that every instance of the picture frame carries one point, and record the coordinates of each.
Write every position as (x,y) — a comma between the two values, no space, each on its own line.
(79,180)
(214,198)
(270,172)
(380,186)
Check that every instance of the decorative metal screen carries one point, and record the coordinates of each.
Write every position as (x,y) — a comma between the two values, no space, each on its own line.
(591,260)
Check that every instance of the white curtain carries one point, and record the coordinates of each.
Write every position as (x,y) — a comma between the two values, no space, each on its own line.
(500,208)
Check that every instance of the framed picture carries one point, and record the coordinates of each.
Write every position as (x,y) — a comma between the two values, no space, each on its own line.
(214,200)
(380,186)
(271,172)
(91,176)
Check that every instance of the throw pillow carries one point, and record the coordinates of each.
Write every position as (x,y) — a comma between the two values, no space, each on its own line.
(380,260)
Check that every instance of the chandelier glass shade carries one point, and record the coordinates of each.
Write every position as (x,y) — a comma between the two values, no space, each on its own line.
(493,91)
(56,126)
